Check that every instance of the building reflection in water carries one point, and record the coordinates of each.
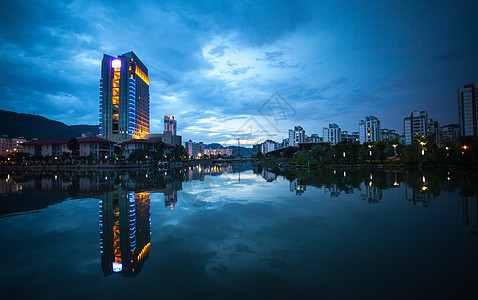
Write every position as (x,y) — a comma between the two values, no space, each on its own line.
(297,187)
(470,213)
(125,231)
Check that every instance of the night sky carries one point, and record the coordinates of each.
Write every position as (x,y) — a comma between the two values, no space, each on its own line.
(213,64)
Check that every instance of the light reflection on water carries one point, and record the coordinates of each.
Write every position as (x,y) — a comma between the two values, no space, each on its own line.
(242,230)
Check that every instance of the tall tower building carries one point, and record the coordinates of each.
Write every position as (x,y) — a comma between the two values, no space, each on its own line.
(124,98)
(468,109)
(369,130)
(170,124)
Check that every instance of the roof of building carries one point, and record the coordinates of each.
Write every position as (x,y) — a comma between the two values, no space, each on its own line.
(137,141)
(46,142)
(94,139)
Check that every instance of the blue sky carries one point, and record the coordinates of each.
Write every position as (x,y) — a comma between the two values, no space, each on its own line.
(213,64)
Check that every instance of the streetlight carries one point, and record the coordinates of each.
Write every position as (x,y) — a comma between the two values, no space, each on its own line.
(370,152)
(395,149)
(447,153)
(423,149)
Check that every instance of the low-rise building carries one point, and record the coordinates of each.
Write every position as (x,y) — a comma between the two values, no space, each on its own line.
(50,147)
(195,149)
(13,145)
(95,147)
(130,146)
(218,152)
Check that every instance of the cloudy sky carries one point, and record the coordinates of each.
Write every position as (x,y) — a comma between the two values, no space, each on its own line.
(252,69)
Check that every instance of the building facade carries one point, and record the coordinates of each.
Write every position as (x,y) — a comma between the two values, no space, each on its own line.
(417,125)
(449,133)
(268,146)
(369,130)
(468,109)
(217,152)
(333,134)
(195,149)
(350,137)
(389,135)
(124,98)
(296,136)
(170,124)
(130,146)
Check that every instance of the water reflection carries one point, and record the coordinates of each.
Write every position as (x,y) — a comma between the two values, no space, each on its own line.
(125,206)
(125,231)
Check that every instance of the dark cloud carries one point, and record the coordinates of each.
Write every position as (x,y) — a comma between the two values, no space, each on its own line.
(327,58)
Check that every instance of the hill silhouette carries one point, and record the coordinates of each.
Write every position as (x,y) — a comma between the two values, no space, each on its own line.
(32,126)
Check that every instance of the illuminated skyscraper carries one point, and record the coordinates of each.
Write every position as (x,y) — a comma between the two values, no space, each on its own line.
(124,98)
(170,124)
(125,232)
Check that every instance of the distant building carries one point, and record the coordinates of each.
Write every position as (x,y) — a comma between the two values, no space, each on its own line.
(296,136)
(195,149)
(268,146)
(388,135)
(13,145)
(468,109)
(130,146)
(449,133)
(124,98)
(332,134)
(256,149)
(314,138)
(170,124)
(417,125)
(217,152)
(369,130)
(346,137)
(166,137)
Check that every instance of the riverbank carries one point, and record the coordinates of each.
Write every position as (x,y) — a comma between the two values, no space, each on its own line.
(396,164)
(118,165)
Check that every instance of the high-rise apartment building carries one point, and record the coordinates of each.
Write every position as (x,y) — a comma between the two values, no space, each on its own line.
(369,130)
(468,109)
(417,125)
(124,98)
(333,134)
(449,133)
(296,136)
(170,124)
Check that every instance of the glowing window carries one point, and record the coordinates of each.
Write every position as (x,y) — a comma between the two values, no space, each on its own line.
(116,76)
(115,100)
(115,91)
(115,83)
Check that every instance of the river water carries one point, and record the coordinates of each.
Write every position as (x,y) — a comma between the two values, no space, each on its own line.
(239,231)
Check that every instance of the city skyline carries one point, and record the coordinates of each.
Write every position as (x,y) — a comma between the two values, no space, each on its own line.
(213,65)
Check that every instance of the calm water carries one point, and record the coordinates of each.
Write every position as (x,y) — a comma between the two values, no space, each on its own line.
(239,232)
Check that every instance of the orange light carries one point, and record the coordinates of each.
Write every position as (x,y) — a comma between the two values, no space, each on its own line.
(465,147)
(141,75)
(171,117)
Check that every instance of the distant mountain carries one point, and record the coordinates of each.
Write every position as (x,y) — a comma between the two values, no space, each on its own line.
(247,152)
(31,126)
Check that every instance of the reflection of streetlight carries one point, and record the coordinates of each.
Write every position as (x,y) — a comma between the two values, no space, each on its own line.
(343,154)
